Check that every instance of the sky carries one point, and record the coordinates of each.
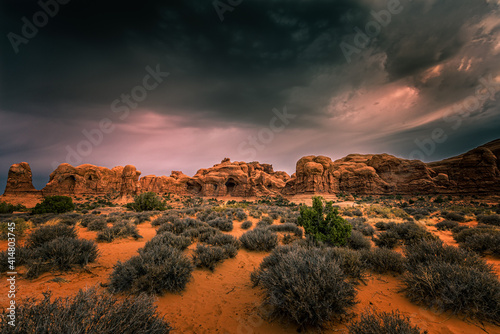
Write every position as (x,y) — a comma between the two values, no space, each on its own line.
(180,85)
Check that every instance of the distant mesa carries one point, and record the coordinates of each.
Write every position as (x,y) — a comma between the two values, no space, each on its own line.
(474,172)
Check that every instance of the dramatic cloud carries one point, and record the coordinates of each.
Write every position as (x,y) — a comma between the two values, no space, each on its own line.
(273,81)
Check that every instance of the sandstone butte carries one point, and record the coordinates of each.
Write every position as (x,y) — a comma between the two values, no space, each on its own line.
(474,172)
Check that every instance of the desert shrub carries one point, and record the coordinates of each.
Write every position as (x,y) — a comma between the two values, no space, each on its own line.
(165,220)
(17,227)
(489,219)
(458,229)
(411,233)
(481,240)
(454,216)
(54,204)
(168,239)
(208,256)
(222,224)
(463,290)
(90,311)
(229,243)
(287,227)
(330,228)
(383,226)
(117,231)
(428,252)
(185,224)
(206,232)
(408,233)
(388,239)
(44,234)
(372,322)
(157,270)
(267,219)
(446,225)
(241,215)
(88,219)
(246,225)
(359,224)
(10,208)
(349,261)
(259,239)
(140,218)
(358,241)
(263,224)
(148,201)
(97,225)
(383,260)
(61,253)
(305,286)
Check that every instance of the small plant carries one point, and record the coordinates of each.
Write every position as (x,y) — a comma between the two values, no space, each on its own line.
(323,223)
(168,239)
(54,204)
(358,241)
(97,312)
(373,322)
(118,230)
(287,227)
(446,225)
(489,219)
(246,225)
(97,225)
(259,239)
(222,224)
(208,257)
(148,201)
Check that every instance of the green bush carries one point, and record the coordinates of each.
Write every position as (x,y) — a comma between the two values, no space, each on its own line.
(9,208)
(323,223)
(91,311)
(148,201)
(373,322)
(54,204)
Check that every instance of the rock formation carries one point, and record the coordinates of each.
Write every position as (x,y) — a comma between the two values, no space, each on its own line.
(92,180)
(20,180)
(474,172)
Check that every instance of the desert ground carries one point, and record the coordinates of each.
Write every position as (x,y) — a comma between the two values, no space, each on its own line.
(224,300)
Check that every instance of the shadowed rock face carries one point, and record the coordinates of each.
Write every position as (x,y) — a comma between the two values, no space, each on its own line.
(20,180)
(474,172)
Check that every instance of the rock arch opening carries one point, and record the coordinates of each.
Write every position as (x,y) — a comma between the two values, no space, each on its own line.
(194,187)
(230,185)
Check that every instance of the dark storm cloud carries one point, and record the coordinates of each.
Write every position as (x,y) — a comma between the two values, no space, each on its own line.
(226,77)
(91,52)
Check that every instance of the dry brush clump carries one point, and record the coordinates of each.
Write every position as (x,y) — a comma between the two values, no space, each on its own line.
(123,229)
(259,239)
(450,279)
(482,240)
(304,285)
(383,260)
(406,233)
(90,311)
(159,269)
(53,247)
(373,322)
